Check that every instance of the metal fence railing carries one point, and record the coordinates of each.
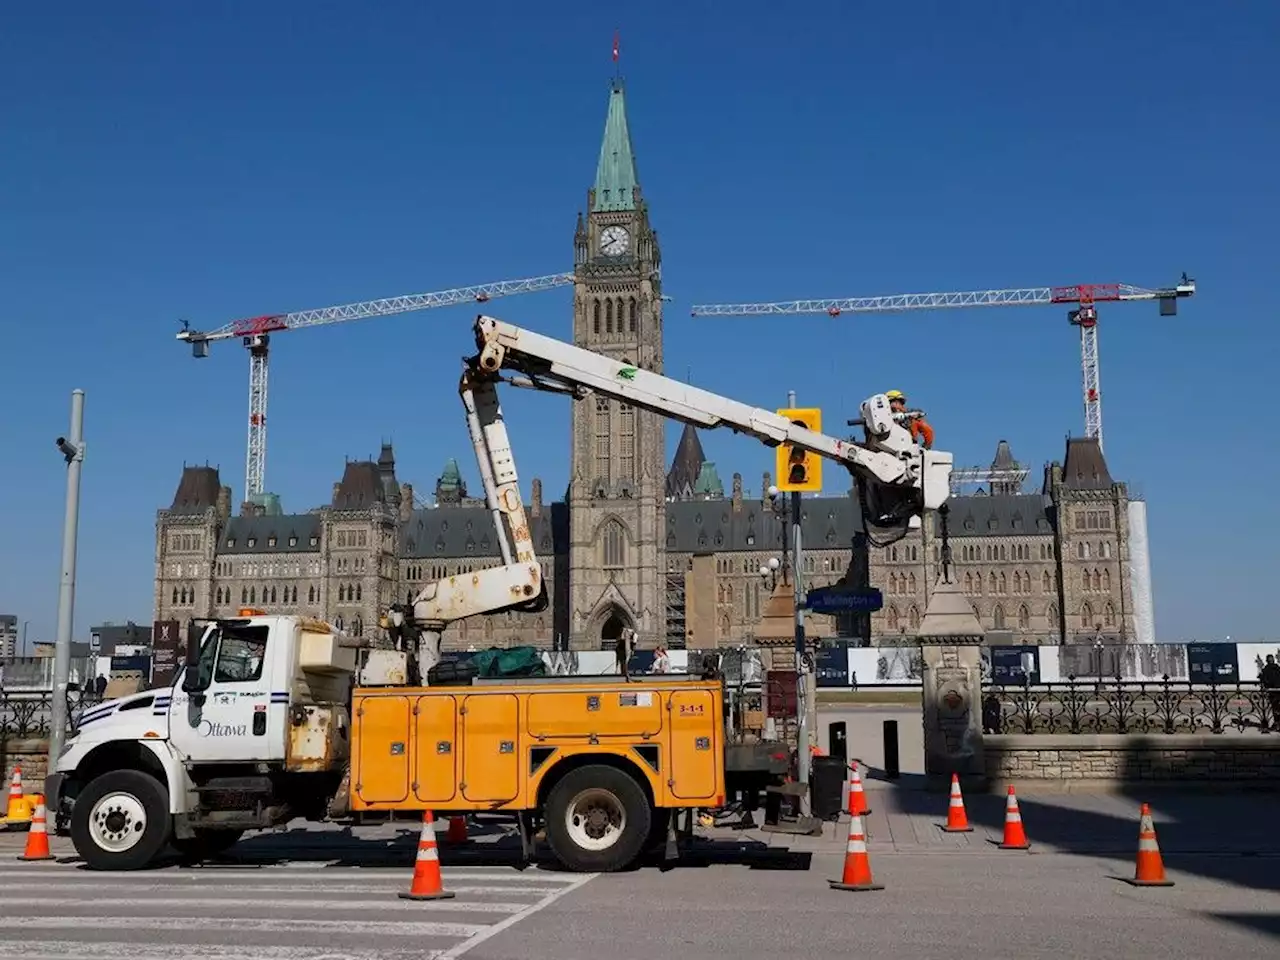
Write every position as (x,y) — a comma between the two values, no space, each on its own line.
(1119,706)
(27,715)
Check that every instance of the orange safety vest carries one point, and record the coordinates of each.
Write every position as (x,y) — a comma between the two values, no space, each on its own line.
(920,428)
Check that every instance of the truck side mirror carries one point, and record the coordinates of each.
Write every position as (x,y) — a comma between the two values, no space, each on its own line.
(192,682)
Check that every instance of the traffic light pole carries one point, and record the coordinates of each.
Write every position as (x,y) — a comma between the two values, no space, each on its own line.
(802,683)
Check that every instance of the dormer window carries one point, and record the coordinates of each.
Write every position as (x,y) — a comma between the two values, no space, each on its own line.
(231,541)
(271,541)
(252,541)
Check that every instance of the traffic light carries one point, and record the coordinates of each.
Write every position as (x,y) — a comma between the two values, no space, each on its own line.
(799,469)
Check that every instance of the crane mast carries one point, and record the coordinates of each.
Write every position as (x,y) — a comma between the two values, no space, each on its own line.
(255,333)
(1087,295)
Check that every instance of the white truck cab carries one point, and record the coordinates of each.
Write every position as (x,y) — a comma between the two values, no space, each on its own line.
(253,732)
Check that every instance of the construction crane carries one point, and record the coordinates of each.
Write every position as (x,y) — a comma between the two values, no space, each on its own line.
(255,333)
(1085,316)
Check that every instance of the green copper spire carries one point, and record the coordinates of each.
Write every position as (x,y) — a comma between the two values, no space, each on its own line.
(616,173)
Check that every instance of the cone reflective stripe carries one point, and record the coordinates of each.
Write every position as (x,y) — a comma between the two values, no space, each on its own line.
(1015,838)
(957,819)
(857,797)
(857,865)
(427,883)
(17,810)
(1149,870)
(38,836)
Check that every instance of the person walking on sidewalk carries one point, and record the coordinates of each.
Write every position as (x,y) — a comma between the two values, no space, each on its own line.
(1269,676)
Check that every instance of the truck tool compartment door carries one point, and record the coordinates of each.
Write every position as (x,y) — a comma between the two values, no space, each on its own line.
(380,768)
(435,749)
(490,760)
(695,741)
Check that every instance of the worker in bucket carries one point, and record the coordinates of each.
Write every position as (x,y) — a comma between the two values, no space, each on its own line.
(912,420)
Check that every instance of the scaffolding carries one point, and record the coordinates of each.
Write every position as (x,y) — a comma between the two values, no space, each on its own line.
(677,636)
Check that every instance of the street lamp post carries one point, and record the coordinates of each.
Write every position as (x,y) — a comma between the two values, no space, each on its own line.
(72,449)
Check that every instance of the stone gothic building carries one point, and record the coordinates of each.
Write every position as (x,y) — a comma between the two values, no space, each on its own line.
(632,544)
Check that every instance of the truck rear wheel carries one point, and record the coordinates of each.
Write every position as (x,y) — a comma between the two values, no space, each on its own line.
(121,821)
(598,819)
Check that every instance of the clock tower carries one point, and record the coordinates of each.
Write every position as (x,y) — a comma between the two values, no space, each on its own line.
(616,515)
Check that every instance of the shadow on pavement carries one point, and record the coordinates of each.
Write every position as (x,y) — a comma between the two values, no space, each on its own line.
(1227,836)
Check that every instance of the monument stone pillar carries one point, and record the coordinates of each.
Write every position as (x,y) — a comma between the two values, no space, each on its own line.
(951,651)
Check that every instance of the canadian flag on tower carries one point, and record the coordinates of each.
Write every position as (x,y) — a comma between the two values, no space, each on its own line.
(616,40)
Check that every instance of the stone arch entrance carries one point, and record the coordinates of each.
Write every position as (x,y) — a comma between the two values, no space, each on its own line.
(612,621)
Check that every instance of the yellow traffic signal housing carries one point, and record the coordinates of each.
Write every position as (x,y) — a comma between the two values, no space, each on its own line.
(799,470)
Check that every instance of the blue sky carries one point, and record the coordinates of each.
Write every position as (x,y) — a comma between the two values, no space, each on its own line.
(218,160)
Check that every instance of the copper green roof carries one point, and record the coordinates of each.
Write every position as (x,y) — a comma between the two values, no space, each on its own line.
(452,475)
(616,172)
(708,484)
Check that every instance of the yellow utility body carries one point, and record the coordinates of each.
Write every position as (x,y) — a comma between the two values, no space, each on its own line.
(504,745)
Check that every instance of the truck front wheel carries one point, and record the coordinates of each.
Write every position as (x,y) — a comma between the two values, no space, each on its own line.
(121,821)
(598,819)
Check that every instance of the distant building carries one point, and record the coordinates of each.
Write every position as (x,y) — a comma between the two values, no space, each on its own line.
(111,636)
(8,635)
(632,544)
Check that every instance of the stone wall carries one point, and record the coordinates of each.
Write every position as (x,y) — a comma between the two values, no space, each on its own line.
(1117,758)
(32,756)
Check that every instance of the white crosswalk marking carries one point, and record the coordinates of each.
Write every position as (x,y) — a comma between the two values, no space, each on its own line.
(60,911)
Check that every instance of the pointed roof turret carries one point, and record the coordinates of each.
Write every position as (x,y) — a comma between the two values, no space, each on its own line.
(686,465)
(616,178)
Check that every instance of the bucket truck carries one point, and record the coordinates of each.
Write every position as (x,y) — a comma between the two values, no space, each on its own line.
(276,717)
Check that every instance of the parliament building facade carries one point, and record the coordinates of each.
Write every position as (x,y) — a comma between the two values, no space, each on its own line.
(638,543)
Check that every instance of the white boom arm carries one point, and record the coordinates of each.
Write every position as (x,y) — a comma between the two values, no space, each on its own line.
(900,479)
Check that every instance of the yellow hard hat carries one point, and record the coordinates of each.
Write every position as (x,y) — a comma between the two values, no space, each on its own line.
(895,395)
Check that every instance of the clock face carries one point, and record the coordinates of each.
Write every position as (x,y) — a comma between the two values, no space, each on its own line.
(614,241)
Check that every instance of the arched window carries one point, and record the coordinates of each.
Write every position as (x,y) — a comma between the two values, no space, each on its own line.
(726,626)
(1106,580)
(273,594)
(1046,582)
(608,316)
(911,582)
(997,617)
(1004,583)
(968,583)
(991,583)
(342,593)
(175,596)
(1024,618)
(1108,615)
(913,617)
(244,594)
(253,594)
(631,315)
(614,546)
(1052,615)
(892,618)
(1097,580)
(311,594)
(359,592)
(1086,616)
(595,317)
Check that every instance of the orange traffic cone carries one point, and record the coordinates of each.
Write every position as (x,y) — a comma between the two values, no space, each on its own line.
(1150,868)
(38,836)
(18,811)
(857,797)
(957,819)
(427,883)
(857,865)
(457,832)
(1015,838)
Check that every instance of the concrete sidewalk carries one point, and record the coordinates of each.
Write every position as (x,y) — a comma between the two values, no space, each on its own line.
(909,820)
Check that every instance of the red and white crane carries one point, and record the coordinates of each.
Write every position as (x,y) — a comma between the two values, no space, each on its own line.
(1087,295)
(255,333)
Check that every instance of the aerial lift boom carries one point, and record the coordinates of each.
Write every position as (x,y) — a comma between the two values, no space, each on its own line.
(899,479)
